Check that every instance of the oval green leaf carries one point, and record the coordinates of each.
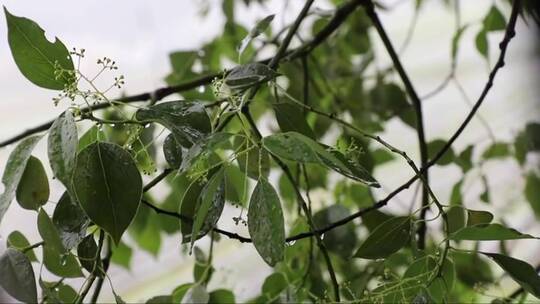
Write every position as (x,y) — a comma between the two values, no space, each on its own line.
(18,241)
(387,238)
(17,276)
(266,224)
(70,221)
(488,232)
(33,189)
(108,186)
(39,60)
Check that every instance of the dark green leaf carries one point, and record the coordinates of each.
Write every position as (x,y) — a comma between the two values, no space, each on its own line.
(37,58)
(108,186)
(532,192)
(87,251)
(248,75)
(70,221)
(494,20)
(497,150)
(387,238)
(472,269)
(520,271)
(17,276)
(14,171)
(172,151)
(187,121)
(63,265)
(291,118)
(341,240)
(488,232)
(62,147)
(210,205)
(266,224)
(160,300)
(33,189)
(18,241)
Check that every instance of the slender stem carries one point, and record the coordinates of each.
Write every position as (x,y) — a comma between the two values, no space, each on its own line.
(93,274)
(106,263)
(30,247)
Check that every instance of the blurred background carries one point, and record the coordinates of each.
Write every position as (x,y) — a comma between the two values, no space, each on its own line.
(139,35)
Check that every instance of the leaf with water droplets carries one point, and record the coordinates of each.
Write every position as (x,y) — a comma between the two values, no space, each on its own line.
(266,224)
(17,276)
(70,220)
(172,151)
(187,121)
(387,238)
(61,264)
(62,147)
(14,171)
(33,189)
(108,187)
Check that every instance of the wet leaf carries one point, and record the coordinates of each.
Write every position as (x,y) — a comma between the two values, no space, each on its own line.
(62,148)
(33,189)
(49,233)
(188,121)
(172,151)
(341,240)
(248,75)
(108,187)
(70,221)
(17,276)
(37,58)
(14,171)
(61,264)
(266,224)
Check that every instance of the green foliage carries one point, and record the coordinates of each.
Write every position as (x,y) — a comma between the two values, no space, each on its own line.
(325,114)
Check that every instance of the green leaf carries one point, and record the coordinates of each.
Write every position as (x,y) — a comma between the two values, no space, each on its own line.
(63,265)
(57,292)
(421,270)
(265,223)
(290,118)
(482,43)
(456,218)
(387,238)
(297,147)
(172,151)
(160,300)
(87,251)
(17,276)
(472,269)
(196,294)
(37,58)
(478,217)
(209,207)
(202,270)
(187,121)
(108,187)
(274,284)
(255,163)
(18,241)
(341,240)
(222,296)
(122,255)
(520,271)
(179,292)
(89,137)
(245,76)
(488,232)
(532,192)
(205,148)
(49,233)
(258,29)
(494,20)
(33,189)
(146,231)
(435,146)
(497,150)
(62,147)
(70,221)
(14,171)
